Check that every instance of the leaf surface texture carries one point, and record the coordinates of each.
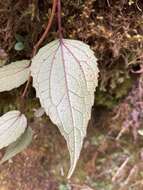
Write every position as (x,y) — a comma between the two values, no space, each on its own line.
(65,75)
(19,145)
(12,125)
(14,75)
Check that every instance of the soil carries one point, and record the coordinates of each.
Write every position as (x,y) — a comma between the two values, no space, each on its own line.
(112,158)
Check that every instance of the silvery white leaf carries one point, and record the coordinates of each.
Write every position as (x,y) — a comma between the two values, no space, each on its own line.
(12,125)
(14,75)
(19,145)
(65,75)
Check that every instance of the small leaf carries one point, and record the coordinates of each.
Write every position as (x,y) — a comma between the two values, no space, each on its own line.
(65,75)
(19,46)
(12,125)
(19,38)
(19,145)
(14,75)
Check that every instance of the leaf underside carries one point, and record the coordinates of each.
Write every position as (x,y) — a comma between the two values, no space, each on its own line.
(12,125)
(19,145)
(65,75)
(14,75)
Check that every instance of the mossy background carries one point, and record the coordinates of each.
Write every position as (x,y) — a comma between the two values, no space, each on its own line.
(114,30)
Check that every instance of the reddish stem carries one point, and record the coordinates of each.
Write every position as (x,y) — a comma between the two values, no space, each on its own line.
(26,88)
(40,42)
(59,20)
(47,28)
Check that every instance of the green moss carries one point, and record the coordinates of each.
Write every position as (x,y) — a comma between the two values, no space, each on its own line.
(123,89)
(112,90)
(104,99)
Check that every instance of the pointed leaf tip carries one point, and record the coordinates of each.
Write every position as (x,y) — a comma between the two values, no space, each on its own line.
(65,75)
